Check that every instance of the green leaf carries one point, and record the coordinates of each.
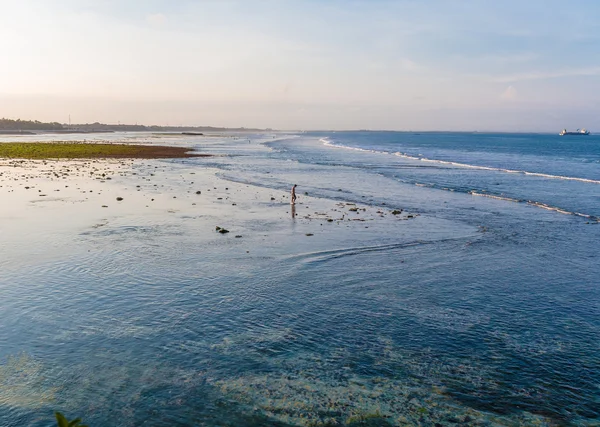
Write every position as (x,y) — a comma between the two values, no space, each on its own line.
(61,420)
(75,422)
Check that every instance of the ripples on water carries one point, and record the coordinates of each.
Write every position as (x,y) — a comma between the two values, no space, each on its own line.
(149,326)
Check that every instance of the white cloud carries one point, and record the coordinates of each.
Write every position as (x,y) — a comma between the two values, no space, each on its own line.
(408,64)
(540,75)
(509,94)
(516,57)
(156,19)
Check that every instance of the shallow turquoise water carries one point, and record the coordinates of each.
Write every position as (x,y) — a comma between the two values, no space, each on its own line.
(480,311)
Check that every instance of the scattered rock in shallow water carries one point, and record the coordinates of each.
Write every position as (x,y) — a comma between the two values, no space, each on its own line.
(272,198)
(198,192)
(104,206)
(329,220)
(309,234)
(119,199)
(396,212)
(223,231)
(238,236)
(353,209)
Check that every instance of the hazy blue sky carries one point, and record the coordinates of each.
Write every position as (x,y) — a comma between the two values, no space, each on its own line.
(378,64)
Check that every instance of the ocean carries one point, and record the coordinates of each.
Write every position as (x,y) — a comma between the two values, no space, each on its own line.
(425,279)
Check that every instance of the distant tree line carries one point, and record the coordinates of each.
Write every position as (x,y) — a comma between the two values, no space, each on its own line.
(90,127)
(35,125)
(9,124)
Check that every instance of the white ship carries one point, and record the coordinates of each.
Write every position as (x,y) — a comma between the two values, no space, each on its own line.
(577,132)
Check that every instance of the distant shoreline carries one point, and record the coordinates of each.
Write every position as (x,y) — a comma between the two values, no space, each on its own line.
(27,127)
(43,132)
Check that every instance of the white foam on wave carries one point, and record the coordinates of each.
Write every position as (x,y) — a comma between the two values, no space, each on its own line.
(491,196)
(328,143)
(533,203)
(559,210)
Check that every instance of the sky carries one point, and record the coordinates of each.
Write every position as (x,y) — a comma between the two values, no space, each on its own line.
(526,65)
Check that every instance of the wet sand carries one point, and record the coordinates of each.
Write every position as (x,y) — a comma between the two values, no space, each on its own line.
(129,217)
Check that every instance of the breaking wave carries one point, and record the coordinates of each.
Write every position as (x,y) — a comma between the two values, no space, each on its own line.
(329,143)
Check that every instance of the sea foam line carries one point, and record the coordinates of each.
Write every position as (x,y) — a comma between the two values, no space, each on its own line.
(536,204)
(328,143)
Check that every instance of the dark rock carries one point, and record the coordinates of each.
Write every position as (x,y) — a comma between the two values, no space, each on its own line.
(396,212)
(238,236)
(198,192)
(119,199)
(223,231)
(309,234)
(104,206)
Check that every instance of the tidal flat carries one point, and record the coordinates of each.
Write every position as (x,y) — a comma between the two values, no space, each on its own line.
(122,304)
(78,234)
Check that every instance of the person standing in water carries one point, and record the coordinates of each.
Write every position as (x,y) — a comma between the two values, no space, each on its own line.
(293,202)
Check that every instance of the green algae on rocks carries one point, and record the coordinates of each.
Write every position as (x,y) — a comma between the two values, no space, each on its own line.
(80,150)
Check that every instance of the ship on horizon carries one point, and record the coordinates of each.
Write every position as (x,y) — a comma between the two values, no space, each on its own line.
(577,132)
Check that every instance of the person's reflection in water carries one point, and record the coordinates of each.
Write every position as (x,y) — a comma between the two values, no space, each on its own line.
(293,211)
